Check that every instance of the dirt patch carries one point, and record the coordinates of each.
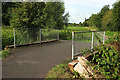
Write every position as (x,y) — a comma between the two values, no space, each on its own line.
(115,45)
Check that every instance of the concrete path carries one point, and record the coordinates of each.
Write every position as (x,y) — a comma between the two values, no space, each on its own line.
(36,60)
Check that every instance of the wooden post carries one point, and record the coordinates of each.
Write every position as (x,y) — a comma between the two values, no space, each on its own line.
(72,45)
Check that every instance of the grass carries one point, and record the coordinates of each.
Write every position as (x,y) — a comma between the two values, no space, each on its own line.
(60,71)
(78,28)
(4,53)
(93,28)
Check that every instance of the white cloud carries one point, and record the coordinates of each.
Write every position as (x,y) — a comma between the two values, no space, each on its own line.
(81,9)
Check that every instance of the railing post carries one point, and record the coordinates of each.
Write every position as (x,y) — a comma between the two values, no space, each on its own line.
(72,45)
(14,37)
(92,40)
(40,37)
(104,38)
(58,35)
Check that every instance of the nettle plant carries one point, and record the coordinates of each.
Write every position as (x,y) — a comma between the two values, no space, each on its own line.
(107,62)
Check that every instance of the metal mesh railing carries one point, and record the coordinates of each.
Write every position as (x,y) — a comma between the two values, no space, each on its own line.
(17,36)
(49,34)
(86,41)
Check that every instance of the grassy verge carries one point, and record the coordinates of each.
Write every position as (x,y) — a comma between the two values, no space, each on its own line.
(78,28)
(4,53)
(60,71)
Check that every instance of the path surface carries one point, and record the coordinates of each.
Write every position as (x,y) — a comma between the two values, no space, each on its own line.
(36,60)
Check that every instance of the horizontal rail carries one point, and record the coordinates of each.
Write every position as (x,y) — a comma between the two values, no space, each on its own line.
(20,45)
(86,31)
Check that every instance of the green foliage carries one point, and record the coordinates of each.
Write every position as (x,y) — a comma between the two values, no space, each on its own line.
(4,53)
(76,75)
(108,61)
(107,21)
(85,23)
(35,14)
(116,14)
(77,28)
(7,37)
(96,19)
(65,34)
(59,71)
(27,14)
(112,36)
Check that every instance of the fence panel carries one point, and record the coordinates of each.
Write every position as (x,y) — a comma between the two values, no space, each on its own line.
(86,41)
(49,34)
(26,36)
(82,41)
(17,36)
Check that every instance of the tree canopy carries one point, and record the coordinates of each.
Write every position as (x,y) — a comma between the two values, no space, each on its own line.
(106,19)
(34,14)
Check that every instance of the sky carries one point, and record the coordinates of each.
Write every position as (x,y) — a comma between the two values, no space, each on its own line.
(81,9)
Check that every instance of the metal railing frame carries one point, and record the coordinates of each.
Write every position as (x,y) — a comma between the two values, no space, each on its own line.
(92,43)
(39,35)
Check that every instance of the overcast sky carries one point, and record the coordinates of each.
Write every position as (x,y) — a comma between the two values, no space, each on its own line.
(81,9)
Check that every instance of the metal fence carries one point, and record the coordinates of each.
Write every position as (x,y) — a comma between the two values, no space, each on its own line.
(17,36)
(86,41)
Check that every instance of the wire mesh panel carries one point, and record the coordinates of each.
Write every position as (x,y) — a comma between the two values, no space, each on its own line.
(98,38)
(16,36)
(82,41)
(86,41)
(27,36)
(49,34)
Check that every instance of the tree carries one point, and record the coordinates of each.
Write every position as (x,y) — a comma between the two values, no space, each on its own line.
(116,15)
(6,12)
(96,19)
(80,24)
(107,21)
(54,13)
(65,18)
(29,15)
(85,23)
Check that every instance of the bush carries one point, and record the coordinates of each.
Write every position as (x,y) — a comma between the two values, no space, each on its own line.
(7,37)
(112,36)
(4,53)
(65,34)
(108,62)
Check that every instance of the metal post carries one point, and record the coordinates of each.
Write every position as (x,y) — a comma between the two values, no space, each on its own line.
(58,35)
(104,38)
(92,40)
(40,37)
(72,45)
(14,37)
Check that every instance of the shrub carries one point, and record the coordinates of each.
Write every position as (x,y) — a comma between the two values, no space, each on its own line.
(4,53)
(108,62)
(65,34)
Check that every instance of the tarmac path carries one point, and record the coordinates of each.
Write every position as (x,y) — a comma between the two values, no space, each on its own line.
(36,60)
